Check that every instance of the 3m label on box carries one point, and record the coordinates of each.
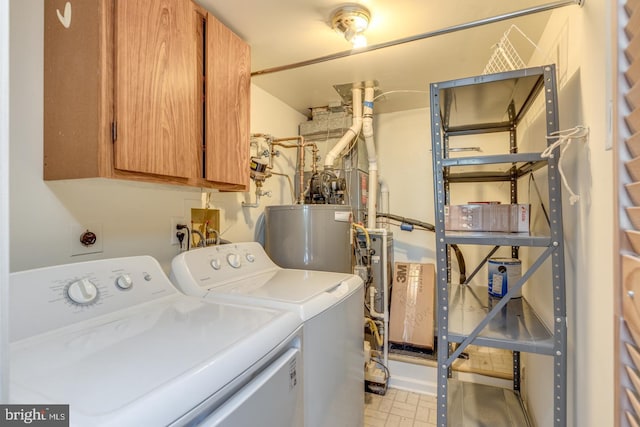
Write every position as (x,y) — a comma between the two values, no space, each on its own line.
(411,319)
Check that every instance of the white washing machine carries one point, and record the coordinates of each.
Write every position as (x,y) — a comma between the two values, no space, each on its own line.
(331,308)
(115,341)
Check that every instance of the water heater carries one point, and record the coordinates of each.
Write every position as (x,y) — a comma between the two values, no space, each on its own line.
(309,237)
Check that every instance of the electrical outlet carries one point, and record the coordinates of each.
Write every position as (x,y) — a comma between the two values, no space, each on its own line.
(86,239)
(175,221)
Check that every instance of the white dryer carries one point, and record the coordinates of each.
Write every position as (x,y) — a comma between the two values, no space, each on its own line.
(115,341)
(329,304)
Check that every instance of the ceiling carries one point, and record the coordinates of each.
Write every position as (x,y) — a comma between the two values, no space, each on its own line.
(283,32)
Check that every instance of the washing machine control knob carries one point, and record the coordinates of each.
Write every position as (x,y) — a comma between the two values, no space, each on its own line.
(215,264)
(234,260)
(124,282)
(250,257)
(82,292)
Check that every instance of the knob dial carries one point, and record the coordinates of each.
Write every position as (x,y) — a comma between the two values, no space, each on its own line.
(234,260)
(250,257)
(82,292)
(215,264)
(124,281)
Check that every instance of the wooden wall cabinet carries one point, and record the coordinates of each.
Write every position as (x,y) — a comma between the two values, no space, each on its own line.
(150,90)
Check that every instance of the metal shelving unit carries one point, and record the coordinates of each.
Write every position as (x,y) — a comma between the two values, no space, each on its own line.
(466,314)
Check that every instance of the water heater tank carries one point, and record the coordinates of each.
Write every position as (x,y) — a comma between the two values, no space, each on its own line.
(309,237)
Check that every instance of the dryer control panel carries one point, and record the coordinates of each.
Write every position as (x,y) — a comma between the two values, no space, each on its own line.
(49,298)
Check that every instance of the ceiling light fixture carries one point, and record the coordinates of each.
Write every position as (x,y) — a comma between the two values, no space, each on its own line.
(352,20)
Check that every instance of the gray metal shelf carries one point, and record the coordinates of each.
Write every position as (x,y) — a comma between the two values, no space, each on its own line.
(494,239)
(481,405)
(491,102)
(502,167)
(515,326)
(495,159)
(478,105)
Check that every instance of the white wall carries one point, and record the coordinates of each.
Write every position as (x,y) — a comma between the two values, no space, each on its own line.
(403,143)
(578,40)
(4,200)
(134,217)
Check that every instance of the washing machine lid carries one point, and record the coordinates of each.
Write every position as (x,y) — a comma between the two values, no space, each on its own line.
(294,286)
(307,292)
(147,365)
(243,272)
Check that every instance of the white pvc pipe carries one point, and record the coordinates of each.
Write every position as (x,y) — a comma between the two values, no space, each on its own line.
(372,304)
(351,133)
(384,200)
(367,132)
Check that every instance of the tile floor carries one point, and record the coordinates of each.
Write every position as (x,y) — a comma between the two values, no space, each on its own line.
(492,362)
(398,408)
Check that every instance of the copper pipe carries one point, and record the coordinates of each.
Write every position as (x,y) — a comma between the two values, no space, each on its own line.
(301,146)
(285,145)
(315,157)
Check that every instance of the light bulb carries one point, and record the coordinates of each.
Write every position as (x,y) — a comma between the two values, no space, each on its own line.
(359,41)
(350,34)
(359,22)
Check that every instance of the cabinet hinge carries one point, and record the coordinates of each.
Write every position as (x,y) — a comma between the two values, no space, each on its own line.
(114,131)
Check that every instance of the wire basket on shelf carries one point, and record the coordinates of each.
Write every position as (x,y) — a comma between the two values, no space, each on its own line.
(505,56)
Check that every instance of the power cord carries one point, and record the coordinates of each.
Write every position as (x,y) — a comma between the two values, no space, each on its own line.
(181,235)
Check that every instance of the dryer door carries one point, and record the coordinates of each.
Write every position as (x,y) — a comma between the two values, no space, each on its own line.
(272,399)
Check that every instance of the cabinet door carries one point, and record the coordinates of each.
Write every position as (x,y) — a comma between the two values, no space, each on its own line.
(76,88)
(228,71)
(156,88)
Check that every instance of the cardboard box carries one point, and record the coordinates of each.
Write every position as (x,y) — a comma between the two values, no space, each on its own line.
(464,217)
(509,218)
(411,317)
(520,218)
